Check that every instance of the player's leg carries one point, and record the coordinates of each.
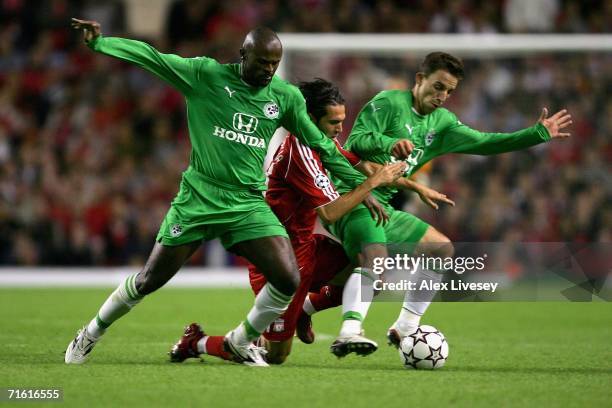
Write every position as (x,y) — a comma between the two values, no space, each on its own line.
(363,241)
(162,265)
(327,297)
(273,256)
(431,243)
(331,269)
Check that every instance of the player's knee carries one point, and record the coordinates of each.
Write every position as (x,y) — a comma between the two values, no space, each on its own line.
(444,248)
(289,282)
(278,351)
(371,253)
(436,244)
(276,359)
(145,284)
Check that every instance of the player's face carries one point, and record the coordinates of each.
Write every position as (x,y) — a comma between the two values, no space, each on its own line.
(432,91)
(260,63)
(331,122)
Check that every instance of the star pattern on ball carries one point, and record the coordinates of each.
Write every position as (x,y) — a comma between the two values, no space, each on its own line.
(417,336)
(410,359)
(435,355)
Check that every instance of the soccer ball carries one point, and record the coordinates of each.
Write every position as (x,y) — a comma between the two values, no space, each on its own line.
(425,348)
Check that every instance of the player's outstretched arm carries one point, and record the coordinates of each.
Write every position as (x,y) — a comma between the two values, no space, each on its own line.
(386,174)
(459,138)
(179,72)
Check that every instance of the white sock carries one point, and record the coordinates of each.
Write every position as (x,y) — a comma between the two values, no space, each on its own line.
(416,302)
(121,301)
(408,321)
(356,300)
(269,304)
(202,345)
(308,307)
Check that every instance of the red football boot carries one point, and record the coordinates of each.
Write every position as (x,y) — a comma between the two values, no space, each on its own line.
(303,328)
(187,346)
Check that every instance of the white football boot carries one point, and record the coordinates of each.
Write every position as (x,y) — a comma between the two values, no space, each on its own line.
(248,354)
(78,350)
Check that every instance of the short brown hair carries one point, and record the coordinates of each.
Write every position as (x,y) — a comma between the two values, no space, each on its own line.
(441,60)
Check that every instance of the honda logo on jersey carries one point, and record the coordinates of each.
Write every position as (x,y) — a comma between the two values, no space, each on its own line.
(245,123)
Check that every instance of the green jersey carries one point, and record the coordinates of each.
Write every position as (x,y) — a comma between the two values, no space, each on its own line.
(231,122)
(390,116)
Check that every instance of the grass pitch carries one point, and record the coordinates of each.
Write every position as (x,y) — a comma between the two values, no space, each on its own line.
(502,354)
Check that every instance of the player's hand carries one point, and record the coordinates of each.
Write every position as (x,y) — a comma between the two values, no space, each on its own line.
(429,196)
(402,149)
(91,29)
(376,210)
(556,122)
(388,173)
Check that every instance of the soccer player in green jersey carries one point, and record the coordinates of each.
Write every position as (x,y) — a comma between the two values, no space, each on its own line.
(233,110)
(413,126)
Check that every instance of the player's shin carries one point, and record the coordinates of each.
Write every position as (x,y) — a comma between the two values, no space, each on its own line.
(356,300)
(121,301)
(269,304)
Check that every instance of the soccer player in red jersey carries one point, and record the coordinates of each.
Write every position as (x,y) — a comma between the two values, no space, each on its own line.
(298,192)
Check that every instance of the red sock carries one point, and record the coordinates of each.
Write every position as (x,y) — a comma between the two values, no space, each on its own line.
(214,347)
(328,297)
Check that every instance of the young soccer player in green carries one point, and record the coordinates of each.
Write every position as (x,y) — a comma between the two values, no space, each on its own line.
(413,126)
(233,110)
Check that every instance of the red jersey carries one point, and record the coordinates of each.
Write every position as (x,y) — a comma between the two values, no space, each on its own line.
(297,185)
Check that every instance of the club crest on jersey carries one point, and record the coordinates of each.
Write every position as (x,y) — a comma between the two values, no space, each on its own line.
(278,326)
(245,123)
(271,110)
(321,181)
(176,230)
(429,137)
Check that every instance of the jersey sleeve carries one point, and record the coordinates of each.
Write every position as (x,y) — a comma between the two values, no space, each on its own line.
(459,138)
(370,134)
(181,73)
(296,121)
(350,156)
(307,175)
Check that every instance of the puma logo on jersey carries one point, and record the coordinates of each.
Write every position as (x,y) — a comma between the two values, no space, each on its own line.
(238,137)
(229,91)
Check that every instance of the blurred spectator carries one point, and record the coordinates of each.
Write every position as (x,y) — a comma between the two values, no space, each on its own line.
(91,149)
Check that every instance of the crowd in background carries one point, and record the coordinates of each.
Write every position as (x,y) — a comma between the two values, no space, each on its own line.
(91,149)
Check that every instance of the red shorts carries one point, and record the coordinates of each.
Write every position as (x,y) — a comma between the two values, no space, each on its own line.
(319,261)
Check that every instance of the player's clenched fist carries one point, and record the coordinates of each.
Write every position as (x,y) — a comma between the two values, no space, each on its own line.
(91,29)
(402,149)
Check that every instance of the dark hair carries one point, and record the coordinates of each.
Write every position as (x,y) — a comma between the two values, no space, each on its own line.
(441,60)
(320,94)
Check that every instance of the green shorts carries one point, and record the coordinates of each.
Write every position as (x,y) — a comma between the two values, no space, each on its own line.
(204,209)
(357,229)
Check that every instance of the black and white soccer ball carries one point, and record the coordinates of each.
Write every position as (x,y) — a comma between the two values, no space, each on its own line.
(425,348)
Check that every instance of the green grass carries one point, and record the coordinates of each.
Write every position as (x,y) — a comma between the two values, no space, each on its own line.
(506,354)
